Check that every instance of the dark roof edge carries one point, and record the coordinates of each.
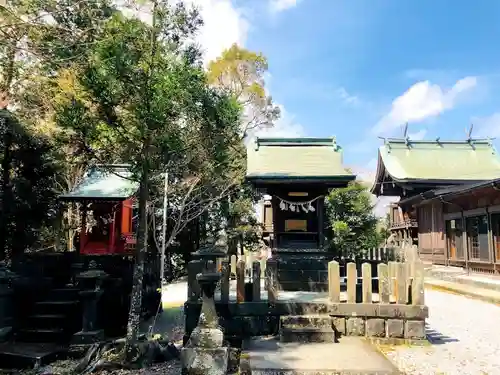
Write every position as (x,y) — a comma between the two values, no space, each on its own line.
(66,198)
(450,191)
(480,141)
(348,177)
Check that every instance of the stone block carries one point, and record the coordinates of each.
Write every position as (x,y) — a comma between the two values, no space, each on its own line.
(375,327)
(206,338)
(202,361)
(339,324)
(355,327)
(415,329)
(394,328)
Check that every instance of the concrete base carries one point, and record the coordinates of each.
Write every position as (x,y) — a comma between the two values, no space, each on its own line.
(87,338)
(267,355)
(204,361)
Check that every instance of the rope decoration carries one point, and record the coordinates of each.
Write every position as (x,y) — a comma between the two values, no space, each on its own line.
(306,206)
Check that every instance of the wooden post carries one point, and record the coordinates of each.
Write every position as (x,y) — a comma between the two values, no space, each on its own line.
(263,262)
(383,283)
(401,291)
(240,281)
(271,280)
(367,282)
(234,260)
(334,281)
(256,281)
(224,286)
(417,288)
(352,278)
(392,279)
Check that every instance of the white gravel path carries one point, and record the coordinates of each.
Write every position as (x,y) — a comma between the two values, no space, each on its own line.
(465,335)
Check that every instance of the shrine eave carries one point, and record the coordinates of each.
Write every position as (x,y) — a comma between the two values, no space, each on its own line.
(338,180)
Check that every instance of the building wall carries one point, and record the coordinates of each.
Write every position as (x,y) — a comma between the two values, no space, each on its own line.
(431,238)
(463,231)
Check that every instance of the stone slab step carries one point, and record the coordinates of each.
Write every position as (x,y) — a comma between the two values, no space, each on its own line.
(41,335)
(307,334)
(297,321)
(49,321)
(55,307)
(64,294)
(266,356)
(18,355)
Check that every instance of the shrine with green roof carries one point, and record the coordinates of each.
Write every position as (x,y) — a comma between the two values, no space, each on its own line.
(408,167)
(296,173)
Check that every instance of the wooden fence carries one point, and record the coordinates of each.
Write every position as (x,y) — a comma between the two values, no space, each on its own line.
(397,282)
(392,282)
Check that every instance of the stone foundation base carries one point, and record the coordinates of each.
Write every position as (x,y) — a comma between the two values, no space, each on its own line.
(381,328)
(204,361)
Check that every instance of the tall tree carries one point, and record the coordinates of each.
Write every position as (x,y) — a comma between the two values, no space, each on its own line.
(241,73)
(144,88)
(351,218)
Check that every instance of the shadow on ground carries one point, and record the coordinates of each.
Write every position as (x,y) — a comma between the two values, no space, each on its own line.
(437,338)
(169,323)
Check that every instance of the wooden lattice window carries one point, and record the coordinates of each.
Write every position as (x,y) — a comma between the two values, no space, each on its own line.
(477,237)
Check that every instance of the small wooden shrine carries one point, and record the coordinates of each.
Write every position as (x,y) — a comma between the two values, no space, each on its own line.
(108,219)
(296,173)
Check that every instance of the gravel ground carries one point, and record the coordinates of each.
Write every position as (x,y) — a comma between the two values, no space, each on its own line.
(465,336)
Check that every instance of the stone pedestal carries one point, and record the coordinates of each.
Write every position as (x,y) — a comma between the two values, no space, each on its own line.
(91,281)
(204,353)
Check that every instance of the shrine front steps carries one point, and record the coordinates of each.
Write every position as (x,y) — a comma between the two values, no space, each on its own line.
(54,319)
(307,328)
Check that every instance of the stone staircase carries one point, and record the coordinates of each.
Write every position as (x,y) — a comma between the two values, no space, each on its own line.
(53,319)
(307,328)
(44,333)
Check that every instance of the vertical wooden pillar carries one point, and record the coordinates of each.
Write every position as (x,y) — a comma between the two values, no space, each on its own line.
(112,233)
(275,209)
(83,230)
(321,222)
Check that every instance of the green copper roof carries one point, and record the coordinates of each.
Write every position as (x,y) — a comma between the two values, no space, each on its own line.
(104,182)
(295,158)
(476,160)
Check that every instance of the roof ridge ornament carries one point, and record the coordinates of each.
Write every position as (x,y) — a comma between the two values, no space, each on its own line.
(334,143)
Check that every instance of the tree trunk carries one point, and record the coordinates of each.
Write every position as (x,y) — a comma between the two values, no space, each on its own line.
(141,252)
(7,199)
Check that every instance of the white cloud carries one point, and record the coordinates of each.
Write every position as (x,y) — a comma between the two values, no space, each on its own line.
(421,101)
(223,26)
(418,135)
(347,97)
(285,127)
(281,5)
(488,126)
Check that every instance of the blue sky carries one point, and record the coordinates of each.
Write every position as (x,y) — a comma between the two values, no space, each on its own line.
(357,69)
(361,68)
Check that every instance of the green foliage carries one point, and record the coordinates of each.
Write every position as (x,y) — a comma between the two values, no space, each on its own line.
(351,218)
(27,186)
